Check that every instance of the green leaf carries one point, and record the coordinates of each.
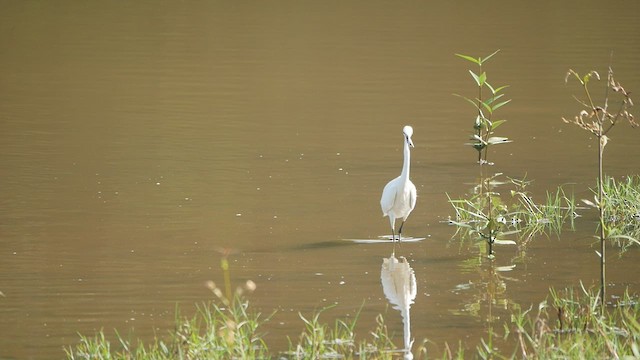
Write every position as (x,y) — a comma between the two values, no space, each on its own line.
(626,237)
(505,268)
(497,123)
(489,56)
(587,77)
(486,106)
(477,124)
(483,78)
(478,146)
(491,100)
(499,105)
(495,90)
(457,201)
(469,58)
(459,224)
(500,89)
(495,140)
(490,88)
(475,104)
(504,242)
(476,137)
(476,78)
(479,215)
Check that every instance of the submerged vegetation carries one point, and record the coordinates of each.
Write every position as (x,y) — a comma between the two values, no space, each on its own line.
(516,215)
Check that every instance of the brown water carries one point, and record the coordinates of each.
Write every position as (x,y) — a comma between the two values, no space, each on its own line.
(139,138)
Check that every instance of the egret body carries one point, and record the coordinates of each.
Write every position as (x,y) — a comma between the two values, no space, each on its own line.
(399,195)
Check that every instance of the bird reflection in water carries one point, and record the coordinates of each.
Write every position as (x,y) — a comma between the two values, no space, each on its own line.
(399,286)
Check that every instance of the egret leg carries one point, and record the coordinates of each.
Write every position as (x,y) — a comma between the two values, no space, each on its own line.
(392,222)
(400,232)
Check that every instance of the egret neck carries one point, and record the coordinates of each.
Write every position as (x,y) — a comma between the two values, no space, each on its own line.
(407,161)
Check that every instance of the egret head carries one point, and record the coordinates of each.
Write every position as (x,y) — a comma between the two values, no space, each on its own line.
(408,132)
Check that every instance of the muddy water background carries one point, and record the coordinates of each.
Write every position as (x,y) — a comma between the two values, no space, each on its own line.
(136,139)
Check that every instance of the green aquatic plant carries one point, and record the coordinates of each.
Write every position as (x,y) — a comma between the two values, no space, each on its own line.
(488,100)
(532,218)
(599,119)
(515,216)
(485,104)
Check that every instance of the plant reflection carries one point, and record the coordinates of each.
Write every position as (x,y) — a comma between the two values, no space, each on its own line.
(490,287)
(399,286)
(485,297)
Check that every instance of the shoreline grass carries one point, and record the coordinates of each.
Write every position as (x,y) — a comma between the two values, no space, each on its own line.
(567,325)
(233,331)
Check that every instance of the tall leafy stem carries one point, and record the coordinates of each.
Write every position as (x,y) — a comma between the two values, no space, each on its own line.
(484,128)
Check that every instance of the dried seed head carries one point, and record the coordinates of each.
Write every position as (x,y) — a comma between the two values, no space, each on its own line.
(250,285)
(210,285)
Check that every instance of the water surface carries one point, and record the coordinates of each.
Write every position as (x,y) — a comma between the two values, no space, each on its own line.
(139,139)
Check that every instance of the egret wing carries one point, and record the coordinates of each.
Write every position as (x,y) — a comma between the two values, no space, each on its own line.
(388,197)
(413,196)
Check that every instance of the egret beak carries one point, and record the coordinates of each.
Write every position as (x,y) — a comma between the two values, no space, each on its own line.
(409,142)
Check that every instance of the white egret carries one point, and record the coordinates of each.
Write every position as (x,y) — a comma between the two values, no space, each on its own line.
(399,195)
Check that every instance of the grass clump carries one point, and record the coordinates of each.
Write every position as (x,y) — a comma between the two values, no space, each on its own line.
(622,210)
(321,341)
(215,332)
(570,326)
(515,216)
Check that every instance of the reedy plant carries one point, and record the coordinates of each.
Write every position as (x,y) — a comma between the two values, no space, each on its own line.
(568,327)
(217,331)
(599,120)
(320,341)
